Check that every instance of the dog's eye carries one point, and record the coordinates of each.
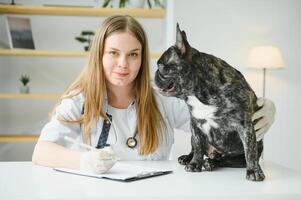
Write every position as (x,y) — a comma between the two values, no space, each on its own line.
(160,66)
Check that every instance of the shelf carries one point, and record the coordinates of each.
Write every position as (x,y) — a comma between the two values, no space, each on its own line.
(27,52)
(29,96)
(18,138)
(80,11)
(46,53)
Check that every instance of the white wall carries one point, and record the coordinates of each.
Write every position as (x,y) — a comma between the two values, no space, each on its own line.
(228,29)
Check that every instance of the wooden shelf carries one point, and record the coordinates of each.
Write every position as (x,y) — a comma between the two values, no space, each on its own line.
(29,96)
(46,53)
(18,138)
(80,11)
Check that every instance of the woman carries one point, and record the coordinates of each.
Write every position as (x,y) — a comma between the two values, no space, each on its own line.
(112,102)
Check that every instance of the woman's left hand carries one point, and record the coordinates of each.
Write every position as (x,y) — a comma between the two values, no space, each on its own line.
(265,116)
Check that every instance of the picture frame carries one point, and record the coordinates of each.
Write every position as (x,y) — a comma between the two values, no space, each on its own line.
(17,32)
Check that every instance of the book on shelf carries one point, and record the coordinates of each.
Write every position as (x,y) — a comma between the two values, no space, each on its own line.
(16,32)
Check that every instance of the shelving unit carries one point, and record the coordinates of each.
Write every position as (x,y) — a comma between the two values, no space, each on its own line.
(60,11)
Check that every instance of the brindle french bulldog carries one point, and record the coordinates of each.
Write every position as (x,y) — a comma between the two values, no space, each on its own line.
(221,105)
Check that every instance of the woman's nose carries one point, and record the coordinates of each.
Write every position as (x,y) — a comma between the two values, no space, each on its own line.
(123,61)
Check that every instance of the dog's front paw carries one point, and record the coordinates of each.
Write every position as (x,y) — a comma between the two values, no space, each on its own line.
(194,167)
(185,159)
(255,174)
(209,164)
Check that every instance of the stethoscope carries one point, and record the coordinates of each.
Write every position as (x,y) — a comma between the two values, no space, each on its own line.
(131,142)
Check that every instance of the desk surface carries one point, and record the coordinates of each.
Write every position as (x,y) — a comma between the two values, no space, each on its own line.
(23,180)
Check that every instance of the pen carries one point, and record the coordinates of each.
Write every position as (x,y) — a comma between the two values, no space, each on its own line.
(69,139)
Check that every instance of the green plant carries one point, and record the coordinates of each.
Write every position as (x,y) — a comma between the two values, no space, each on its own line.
(157,3)
(24,79)
(86,37)
(122,3)
(106,3)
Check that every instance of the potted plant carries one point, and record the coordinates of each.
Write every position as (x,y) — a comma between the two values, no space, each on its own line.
(157,3)
(122,3)
(86,37)
(106,3)
(24,88)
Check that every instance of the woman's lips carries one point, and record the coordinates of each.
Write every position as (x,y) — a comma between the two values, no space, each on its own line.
(121,74)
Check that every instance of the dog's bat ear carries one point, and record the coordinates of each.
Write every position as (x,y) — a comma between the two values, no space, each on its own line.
(184,36)
(180,40)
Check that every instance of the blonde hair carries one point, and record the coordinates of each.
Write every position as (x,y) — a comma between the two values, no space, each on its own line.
(91,83)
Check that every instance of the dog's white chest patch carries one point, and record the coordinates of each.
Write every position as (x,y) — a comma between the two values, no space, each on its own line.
(203,111)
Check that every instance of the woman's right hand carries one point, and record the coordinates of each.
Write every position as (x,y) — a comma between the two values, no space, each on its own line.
(97,160)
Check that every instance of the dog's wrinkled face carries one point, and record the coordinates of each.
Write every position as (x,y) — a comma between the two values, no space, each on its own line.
(174,76)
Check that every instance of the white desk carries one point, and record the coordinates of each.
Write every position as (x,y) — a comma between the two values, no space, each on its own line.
(23,180)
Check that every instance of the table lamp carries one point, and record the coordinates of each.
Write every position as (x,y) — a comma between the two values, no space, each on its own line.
(265,57)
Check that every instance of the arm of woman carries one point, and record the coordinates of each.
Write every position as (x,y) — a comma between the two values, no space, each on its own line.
(50,154)
(177,113)
(51,149)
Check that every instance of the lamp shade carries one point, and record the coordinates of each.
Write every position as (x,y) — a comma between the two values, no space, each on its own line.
(265,57)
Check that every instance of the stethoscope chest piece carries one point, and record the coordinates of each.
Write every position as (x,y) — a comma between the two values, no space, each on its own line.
(131,142)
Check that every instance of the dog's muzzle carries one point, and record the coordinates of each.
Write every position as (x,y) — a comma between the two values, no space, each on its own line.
(165,85)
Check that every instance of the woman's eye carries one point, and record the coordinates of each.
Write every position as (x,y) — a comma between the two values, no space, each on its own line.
(113,53)
(133,54)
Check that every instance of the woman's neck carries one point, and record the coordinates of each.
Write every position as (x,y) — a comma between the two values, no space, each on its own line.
(120,97)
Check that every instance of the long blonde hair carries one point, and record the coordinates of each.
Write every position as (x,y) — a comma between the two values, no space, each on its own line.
(92,84)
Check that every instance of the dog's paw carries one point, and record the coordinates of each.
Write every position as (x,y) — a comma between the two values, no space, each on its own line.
(185,159)
(209,164)
(193,167)
(255,174)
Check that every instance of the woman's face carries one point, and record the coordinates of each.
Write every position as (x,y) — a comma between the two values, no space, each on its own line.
(121,59)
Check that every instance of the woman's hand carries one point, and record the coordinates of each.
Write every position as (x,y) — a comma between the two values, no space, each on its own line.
(97,161)
(265,116)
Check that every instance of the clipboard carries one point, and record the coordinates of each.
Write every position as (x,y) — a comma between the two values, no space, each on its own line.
(121,172)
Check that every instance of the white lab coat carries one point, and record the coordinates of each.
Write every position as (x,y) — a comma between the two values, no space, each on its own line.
(174,112)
